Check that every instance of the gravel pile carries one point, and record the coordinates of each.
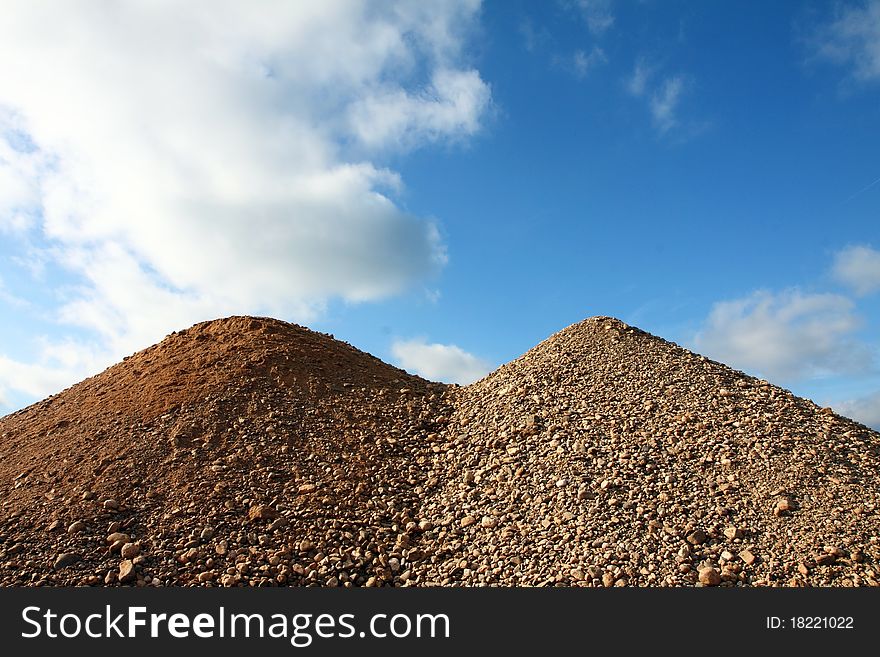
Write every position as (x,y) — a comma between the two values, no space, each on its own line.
(252,452)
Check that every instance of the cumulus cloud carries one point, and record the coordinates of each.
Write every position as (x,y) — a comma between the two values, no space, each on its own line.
(785,336)
(865,409)
(189,160)
(439,362)
(853,38)
(858,267)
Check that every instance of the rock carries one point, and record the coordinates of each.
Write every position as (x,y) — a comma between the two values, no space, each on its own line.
(467,521)
(130,550)
(826,559)
(127,572)
(305,489)
(110,504)
(207,534)
(489,522)
(306,545)
(708,576)
(278,523)
(783,507)
(116,537)
(803,569)
(697,537)
(76,527)
(608,580)
(66,559)
(747,557)
(732,533)
(262,512)
(88,495)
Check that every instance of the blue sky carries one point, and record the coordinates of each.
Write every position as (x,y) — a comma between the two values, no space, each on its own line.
(445,185)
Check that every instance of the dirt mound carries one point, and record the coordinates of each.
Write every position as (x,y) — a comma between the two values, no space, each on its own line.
(224,454)
(253,452)
(607,456)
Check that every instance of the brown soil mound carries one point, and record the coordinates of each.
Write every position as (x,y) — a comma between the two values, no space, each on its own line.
(220,454)
(252,452)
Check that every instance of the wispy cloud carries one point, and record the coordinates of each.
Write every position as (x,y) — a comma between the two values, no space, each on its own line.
(664,103)
(662,93)
(534,38)
(439,362)
(637,84)
(858,267)
(597,14)
(583,62)
(853,38)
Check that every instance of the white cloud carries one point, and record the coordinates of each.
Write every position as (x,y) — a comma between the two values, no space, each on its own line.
(865,410)
(638,82)
(190,160)
(584,62)
(439,362)
(785,336)
(664,103)
(60,364)
(452,104)
(854,38)
(859,268)
(597,14)
(663,97)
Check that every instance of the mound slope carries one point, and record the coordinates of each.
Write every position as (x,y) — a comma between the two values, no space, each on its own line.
(232,452)
(252,452)
(608,456)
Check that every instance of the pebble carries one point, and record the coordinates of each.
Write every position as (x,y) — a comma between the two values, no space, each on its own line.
(262,512)
(130,550)
(489,522)
(127,571)
(76,527)
(278,523)
(111,504)
(467,521)
(304,489)
(117,537)
(747,557)
(783,507)
(697,537)
(67,559)
(733,533)
(709,576)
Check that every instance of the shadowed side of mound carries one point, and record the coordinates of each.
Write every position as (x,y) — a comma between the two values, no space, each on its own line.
(194,448)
